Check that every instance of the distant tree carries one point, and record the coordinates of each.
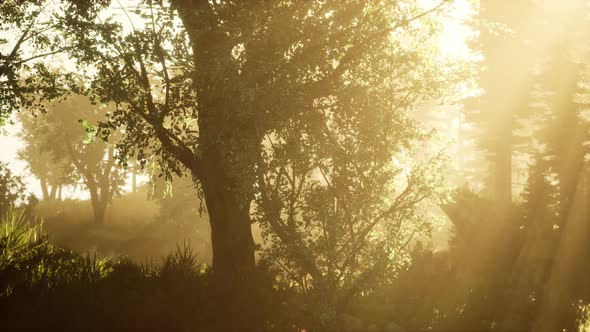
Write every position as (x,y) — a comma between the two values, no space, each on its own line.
(563,129)
(557,216)
(502,103)
(65,135)
(53,171)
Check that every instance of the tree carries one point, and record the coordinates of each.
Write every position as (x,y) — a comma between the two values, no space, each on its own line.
(66,137)
(502,103)
(53,171)
(202,89)
(199,85)
(339,218)
(563,131)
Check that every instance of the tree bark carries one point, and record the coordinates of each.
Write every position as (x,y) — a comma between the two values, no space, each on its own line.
(223,163)
(229,216)
(227,143)
(235,283)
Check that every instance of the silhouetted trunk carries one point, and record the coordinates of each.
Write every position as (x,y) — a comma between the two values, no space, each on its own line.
(44,189)
(59,192)
(223,162)
(229,216)
(98,206)
(99,212)
(227,144)
(53,193)
(232,244)
(134,178)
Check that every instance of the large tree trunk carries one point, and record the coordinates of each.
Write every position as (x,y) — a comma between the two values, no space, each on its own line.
(235,282)
(229,216)
(227,144)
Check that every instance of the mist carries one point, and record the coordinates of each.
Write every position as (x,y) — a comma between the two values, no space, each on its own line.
(415,165)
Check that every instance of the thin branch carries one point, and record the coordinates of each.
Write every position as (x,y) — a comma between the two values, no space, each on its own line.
(23,37)
(45,54)
(419,16)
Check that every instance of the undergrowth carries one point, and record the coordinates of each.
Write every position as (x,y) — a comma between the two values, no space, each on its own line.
(44,287)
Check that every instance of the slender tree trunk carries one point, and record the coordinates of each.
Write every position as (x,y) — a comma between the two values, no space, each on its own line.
(44,189)
(59,192)
(53,193)
(134,178)
(98,206)
(99,209)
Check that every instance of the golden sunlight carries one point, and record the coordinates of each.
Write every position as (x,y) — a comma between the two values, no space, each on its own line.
(319,165)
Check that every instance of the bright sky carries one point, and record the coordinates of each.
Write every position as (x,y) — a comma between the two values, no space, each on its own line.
(9,146)
(452,43)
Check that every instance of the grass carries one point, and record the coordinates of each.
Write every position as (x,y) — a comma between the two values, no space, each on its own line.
(44,287)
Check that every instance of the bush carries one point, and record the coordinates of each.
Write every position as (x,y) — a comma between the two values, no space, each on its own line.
(12,190)
(45,287)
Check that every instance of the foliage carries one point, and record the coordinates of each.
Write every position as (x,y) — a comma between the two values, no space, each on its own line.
(178,199)
(344,228)
(26,79)
(203,95)
(55,285)
(12,189)
(65,137)
(309,98)
(53,171)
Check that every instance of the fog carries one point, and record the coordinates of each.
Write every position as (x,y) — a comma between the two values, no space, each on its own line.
(414,165)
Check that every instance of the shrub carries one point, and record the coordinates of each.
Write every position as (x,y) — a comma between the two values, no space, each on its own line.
(12,189)
(45,287)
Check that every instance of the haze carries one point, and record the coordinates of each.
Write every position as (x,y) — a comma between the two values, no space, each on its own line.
(414,165)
